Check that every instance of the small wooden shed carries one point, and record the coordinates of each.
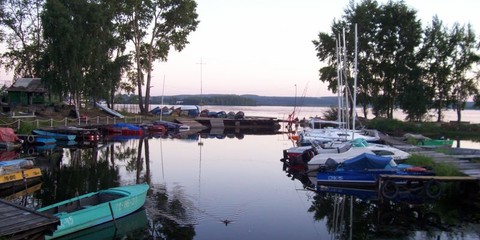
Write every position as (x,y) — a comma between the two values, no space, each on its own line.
(27,91)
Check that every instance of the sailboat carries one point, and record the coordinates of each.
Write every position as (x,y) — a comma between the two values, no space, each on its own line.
(341,130)
(338,142)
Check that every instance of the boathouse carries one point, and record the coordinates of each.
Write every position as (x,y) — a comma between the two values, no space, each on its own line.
(27,91)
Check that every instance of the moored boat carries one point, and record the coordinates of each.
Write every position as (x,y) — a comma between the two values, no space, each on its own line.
(95,208)
(57,136)
(18,172)
(364,170)
(125,129)
(9,140)
(314,156)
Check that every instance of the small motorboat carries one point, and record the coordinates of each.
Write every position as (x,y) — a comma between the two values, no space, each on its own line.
(364,170)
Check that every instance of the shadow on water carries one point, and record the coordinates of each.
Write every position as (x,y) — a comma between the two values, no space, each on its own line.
(353,213)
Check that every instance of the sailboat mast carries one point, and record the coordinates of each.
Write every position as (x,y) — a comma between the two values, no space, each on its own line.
(339,116)
(354,112)
(345,82)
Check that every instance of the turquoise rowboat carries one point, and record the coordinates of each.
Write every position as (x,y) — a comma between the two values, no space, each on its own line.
(92,209)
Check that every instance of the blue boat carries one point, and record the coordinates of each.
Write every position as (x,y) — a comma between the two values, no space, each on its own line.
(57,136)
(364,170)
(44,140)
(93,209)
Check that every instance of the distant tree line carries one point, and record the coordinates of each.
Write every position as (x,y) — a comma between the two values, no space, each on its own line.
(401,65)
(92,49)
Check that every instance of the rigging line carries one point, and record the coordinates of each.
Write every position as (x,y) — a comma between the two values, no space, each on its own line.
(304,94)
(305,208)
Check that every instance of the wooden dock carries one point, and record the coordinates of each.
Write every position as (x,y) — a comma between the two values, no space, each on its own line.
(190,122)
(17,222)
(460,161)
(248,123)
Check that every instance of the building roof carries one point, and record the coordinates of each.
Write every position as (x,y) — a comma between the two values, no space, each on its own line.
(28,85)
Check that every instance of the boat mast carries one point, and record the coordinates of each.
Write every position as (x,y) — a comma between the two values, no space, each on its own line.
(345,82)
(339,84)
(354,112)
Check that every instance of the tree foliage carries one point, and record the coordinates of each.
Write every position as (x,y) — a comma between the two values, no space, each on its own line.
(80,40)
(154,27)
(400,65)
(21,29)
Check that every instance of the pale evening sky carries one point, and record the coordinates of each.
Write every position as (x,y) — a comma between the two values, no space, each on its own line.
(264,47)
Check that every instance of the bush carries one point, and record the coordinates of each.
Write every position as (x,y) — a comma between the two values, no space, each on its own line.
(25,128)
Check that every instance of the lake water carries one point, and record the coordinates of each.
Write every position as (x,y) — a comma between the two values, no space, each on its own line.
(216,186)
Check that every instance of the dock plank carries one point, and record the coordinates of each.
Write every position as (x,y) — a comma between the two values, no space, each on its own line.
(18,222)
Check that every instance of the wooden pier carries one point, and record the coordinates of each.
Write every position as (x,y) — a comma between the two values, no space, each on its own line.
(460,161)
(17,222)
(266,123)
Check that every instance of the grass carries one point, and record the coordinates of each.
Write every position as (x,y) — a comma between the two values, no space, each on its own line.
(440,169)
(450,130)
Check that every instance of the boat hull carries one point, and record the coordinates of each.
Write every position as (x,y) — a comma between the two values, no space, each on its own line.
(25,177)
(132,198)
(57,136)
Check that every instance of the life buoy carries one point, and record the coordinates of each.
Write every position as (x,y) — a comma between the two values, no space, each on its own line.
(433,189)
(389,189)
(30,139)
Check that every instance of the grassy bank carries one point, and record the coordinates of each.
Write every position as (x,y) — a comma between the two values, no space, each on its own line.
(430,129)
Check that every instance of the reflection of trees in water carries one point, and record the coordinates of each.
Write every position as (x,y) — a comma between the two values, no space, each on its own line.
(170,218)
(65,182)
(372,219)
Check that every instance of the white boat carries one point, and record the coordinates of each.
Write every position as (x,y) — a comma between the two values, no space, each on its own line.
(339,130)
(312,157)
(321,130)
(109,111)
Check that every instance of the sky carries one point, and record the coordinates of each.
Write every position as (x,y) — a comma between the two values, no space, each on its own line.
(264,47)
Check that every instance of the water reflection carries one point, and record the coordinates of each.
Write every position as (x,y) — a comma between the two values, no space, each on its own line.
(133,226)
(352,213)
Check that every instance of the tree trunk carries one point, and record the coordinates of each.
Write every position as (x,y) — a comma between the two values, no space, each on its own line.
(439,111)
(459,113)
(149,79)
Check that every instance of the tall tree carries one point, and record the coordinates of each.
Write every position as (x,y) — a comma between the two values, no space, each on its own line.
(388,37)
(436,56)
(80,40)
(465,56)
(22,27)
(156,26)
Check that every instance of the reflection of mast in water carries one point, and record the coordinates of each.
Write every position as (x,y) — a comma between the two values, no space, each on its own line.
(161,158)
(200,144)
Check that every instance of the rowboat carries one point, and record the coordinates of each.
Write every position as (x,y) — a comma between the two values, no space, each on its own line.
(57,136)
(18,172)
(95,208)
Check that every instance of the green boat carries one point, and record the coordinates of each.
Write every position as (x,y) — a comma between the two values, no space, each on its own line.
(93,209)
(436,142)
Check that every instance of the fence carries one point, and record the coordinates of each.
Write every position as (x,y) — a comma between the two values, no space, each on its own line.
(80,122)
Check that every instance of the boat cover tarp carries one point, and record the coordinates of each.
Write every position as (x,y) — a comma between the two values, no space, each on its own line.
(126,126)
(8,135)
(366,161)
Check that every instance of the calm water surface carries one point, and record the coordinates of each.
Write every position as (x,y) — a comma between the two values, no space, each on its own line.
(232,186)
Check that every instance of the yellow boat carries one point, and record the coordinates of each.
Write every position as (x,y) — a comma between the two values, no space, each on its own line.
(20,178)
